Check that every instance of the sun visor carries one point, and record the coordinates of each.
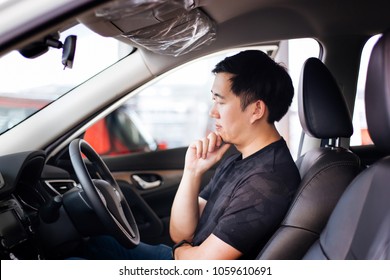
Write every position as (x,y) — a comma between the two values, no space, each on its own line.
(178,36)
(161,8)
(165,27)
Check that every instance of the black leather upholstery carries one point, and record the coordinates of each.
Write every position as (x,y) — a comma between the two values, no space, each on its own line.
(359,227)
(325,172)
(322,108)
(378,91)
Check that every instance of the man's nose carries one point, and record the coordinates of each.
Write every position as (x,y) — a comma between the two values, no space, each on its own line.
(213,112)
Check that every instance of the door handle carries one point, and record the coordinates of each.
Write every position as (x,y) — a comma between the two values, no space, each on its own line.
(145,184)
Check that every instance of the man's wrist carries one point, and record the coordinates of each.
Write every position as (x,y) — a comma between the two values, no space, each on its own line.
(178,245)
(193,172)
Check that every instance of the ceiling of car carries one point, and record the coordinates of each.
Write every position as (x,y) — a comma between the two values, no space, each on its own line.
(282,18)
(265,20)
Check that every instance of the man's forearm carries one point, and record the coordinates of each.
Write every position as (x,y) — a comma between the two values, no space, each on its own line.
(185,208)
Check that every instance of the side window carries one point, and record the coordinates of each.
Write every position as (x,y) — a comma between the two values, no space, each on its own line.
(174,111)
(360,135)
(121,132)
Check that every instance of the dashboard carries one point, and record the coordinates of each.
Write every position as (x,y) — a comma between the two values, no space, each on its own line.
(33,221)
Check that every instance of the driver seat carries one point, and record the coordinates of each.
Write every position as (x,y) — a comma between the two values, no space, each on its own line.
(325,171)
(359,227)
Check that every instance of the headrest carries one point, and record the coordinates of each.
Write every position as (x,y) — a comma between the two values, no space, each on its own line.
(377,93)
(322,109)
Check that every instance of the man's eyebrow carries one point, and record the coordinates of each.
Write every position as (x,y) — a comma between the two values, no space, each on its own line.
(217,95)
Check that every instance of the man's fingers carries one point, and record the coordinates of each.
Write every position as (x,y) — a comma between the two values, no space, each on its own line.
(199,148)
(215,141)
(212,142)
(208,145)
(205,147)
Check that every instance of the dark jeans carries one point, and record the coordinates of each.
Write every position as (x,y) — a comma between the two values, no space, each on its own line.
(107,248)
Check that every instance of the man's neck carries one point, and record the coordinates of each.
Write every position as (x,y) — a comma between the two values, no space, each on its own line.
(255,144)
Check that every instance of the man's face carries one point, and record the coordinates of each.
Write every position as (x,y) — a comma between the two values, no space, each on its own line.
(231,123)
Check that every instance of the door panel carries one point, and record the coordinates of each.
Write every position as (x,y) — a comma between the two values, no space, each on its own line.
(151,207)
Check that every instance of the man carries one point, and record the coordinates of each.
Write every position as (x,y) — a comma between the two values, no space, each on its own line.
(236,213)
(246,200)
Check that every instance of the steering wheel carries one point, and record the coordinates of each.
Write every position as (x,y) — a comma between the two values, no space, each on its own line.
(104,194)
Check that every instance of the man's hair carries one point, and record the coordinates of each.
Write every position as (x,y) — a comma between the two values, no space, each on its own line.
(257,76)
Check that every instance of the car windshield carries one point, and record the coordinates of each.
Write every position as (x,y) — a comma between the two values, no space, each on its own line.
(28,84)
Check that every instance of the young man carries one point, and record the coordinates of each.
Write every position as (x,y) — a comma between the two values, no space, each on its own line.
(236,213)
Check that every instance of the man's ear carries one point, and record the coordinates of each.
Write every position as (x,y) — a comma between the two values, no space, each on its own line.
(259,110)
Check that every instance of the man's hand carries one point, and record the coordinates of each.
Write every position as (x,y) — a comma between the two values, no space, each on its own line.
(212,248)
(203,154)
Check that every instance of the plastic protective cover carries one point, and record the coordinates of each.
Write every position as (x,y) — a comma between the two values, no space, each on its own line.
(178,36)
(182,28)
(125,8)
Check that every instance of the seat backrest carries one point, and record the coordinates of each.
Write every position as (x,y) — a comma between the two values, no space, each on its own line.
(325,171)
(359,226)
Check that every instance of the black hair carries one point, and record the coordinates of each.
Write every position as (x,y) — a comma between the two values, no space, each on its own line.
(257,76)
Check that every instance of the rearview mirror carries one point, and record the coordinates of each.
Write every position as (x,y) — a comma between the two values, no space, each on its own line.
(40,47)
(68,51)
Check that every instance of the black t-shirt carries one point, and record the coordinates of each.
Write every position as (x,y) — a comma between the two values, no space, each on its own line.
(248,198)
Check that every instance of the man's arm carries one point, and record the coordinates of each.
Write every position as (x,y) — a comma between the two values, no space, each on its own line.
(212,248)
(187,206)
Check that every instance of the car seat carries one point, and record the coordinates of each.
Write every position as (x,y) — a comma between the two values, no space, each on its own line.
(359,226)
(325,171)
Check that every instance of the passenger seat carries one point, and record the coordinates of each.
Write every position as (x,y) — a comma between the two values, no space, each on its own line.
(325,171)
(359,227)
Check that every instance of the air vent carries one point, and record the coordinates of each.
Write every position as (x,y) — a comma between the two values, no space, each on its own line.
(60,186)
(2,183)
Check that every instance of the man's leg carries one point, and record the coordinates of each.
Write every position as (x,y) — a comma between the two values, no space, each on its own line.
(107,248)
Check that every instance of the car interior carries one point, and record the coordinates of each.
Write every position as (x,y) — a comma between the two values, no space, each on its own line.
(57,189)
